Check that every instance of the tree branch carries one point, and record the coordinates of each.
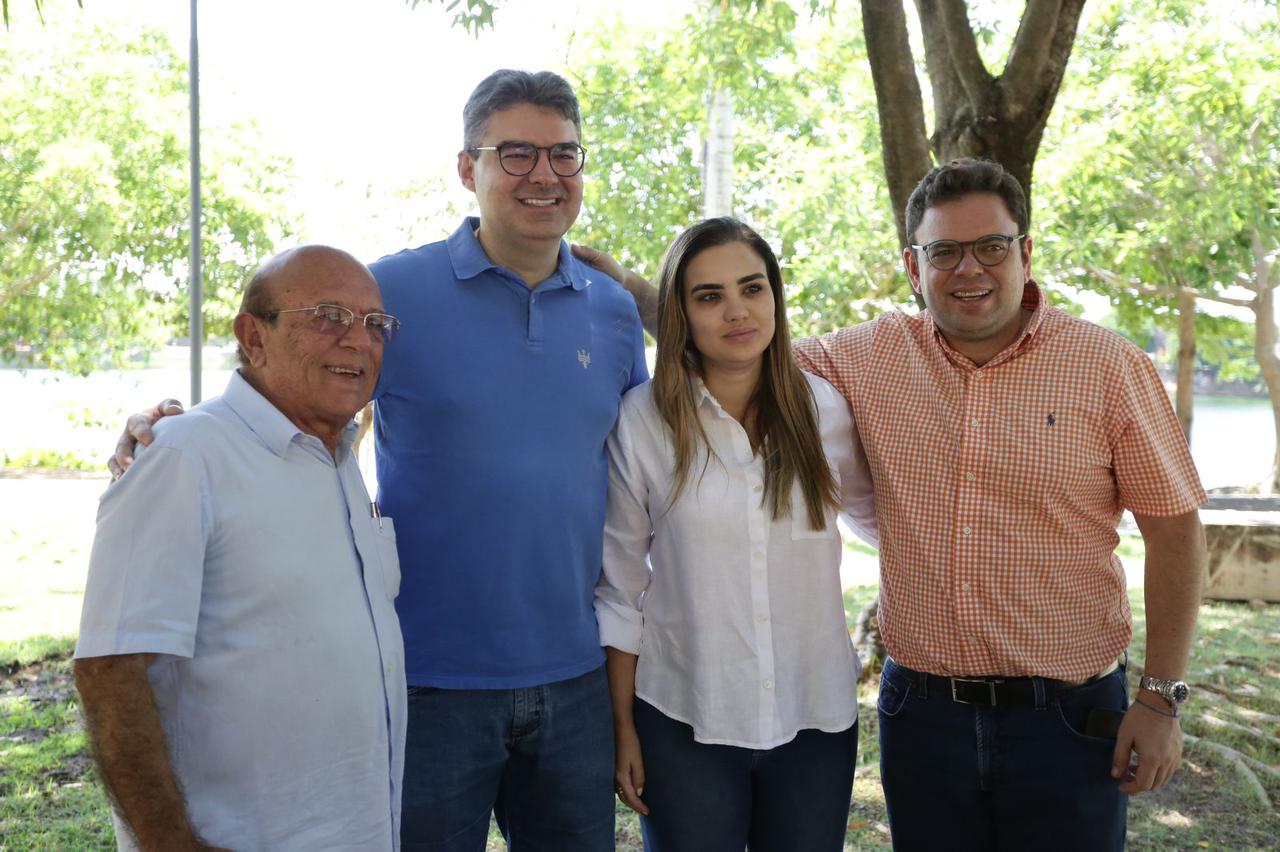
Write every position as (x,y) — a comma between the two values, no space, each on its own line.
(17,288)
(1029,96)
(962,47)
(1030,52)
(1165,292)
(898,101)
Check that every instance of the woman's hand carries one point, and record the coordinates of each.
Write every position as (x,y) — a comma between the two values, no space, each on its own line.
(628,773)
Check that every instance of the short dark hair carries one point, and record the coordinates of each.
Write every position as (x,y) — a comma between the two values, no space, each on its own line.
(506,88)
(961,177)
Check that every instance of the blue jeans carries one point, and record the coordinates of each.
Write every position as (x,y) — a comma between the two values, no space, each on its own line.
(1016,776)
(706,798)
(539,758)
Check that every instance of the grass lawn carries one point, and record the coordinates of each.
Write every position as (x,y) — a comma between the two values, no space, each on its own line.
(1224,796)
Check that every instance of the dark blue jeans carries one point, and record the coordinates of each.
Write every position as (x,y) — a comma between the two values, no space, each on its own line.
(539,758)
(707,798)
(1020,776)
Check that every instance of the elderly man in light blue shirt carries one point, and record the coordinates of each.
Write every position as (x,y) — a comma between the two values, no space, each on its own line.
(240,660)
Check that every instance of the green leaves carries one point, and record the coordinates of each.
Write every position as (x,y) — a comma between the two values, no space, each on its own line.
(94,201)
(807,162)
(1166,164)
(472,15)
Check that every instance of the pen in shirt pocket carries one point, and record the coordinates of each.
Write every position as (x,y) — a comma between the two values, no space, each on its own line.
(375,512)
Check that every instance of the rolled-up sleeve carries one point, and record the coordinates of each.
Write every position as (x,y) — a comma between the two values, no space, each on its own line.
(627,535)
(844,451)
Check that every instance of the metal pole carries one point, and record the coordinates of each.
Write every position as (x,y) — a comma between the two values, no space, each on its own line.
(197,277)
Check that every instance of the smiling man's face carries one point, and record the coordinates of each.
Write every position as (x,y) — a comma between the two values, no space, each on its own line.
(977,308)
(532,211)
(317,373)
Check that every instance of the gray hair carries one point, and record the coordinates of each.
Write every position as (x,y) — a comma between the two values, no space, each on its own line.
(506,88)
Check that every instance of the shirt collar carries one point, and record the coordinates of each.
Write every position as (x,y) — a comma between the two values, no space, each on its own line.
(266,421)
(1032,300)
(705,398)
(469,259)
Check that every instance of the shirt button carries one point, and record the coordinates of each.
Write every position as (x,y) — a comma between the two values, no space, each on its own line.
(758,555)
(969,477)
(762,618)
(968,531)
(768,684)
(964,586)
(974,422)
(757,488)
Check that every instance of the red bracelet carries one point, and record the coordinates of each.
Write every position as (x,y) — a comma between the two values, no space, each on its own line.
(1172,715)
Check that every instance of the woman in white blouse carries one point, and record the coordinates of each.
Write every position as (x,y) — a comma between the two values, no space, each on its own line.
(732,674)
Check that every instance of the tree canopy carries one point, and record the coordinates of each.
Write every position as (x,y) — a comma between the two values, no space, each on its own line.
(94,200)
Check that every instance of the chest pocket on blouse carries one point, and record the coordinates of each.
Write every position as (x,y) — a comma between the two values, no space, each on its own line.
(800,524)
(389,561)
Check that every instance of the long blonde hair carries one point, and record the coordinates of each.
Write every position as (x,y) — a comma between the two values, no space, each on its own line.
(783,406)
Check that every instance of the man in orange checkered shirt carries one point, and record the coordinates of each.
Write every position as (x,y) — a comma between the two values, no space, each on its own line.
(1005,439)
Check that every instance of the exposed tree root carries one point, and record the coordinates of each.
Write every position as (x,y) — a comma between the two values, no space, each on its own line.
(1246,767)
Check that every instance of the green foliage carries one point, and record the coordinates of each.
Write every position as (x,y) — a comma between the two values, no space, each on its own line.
(47,459)
(807,163)
(39,4)
(94,200)
(472,15)
(1167,162)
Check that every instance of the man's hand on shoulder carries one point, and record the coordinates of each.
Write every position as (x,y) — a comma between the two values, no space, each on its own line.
(601,261)
(137,430)
(645,294)
(1148,746)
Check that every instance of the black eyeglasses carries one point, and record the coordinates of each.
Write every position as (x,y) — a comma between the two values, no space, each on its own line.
(520,158)
(945,255)
(334,320)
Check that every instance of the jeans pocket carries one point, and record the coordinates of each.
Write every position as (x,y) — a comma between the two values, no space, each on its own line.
(895,687)
(1074,707)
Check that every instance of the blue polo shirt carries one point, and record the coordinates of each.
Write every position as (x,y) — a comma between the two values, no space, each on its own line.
(493,408)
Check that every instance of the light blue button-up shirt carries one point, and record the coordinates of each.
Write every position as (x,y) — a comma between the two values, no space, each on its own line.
(239,550)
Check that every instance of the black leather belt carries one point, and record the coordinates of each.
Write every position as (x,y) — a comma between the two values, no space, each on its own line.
(994,691)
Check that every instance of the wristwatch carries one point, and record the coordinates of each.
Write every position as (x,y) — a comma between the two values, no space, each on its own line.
(1173,691)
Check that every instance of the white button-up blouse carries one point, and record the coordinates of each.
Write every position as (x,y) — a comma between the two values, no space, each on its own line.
(738,619)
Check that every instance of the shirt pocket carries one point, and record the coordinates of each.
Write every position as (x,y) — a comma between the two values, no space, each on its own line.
(384,536)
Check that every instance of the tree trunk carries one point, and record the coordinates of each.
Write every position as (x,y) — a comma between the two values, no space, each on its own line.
(1184,393)
(1264,345)
(717,180)
(903,142)
(976,114)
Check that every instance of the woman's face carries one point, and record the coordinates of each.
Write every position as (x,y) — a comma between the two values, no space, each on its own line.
(729,305)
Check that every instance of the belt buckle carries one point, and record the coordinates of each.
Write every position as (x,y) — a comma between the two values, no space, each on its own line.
(991,689)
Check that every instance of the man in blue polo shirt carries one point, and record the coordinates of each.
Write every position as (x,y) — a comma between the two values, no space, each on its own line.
(491,426)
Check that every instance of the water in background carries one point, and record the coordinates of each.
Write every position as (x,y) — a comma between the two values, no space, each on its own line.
(1232,440)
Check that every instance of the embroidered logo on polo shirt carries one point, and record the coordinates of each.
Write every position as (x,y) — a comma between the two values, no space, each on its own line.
(584,358)
(1051,420)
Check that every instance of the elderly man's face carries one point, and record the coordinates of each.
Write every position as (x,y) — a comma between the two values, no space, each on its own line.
(318,378)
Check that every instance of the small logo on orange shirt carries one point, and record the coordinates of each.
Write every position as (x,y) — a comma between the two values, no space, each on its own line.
(1050,420)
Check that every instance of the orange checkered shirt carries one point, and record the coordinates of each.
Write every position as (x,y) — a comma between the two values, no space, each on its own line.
(998,488)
